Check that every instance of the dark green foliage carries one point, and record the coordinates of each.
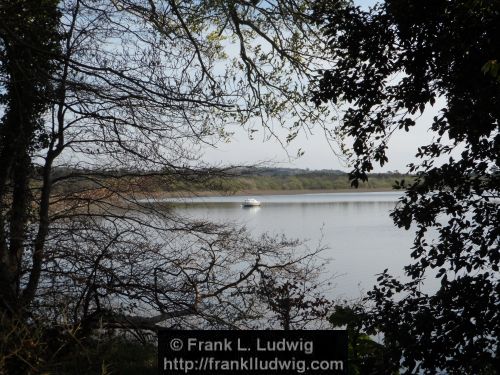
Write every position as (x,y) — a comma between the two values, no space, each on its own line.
(366,356)
(108,356)
(21,347)
(39,348)
(29,46)
(393,61)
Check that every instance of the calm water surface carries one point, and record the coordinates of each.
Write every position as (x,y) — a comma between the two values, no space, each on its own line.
(356,227)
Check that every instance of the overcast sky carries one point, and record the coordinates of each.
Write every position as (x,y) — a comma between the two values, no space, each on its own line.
(318,154)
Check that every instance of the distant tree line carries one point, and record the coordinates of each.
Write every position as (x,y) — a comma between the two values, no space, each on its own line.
(229,182)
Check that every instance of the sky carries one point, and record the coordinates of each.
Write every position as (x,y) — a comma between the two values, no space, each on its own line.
(317,152)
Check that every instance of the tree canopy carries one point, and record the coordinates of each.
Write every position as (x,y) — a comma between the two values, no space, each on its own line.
(394,61)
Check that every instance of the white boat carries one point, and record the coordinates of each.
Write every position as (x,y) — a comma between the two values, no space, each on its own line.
(251,202)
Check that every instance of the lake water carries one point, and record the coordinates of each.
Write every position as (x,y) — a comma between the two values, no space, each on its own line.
(356,227)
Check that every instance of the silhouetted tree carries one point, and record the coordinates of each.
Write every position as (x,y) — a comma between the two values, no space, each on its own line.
(392,62)
(296,303)
(29,35)
(111,93)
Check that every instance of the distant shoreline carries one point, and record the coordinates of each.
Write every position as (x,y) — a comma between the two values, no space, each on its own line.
(241,193)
